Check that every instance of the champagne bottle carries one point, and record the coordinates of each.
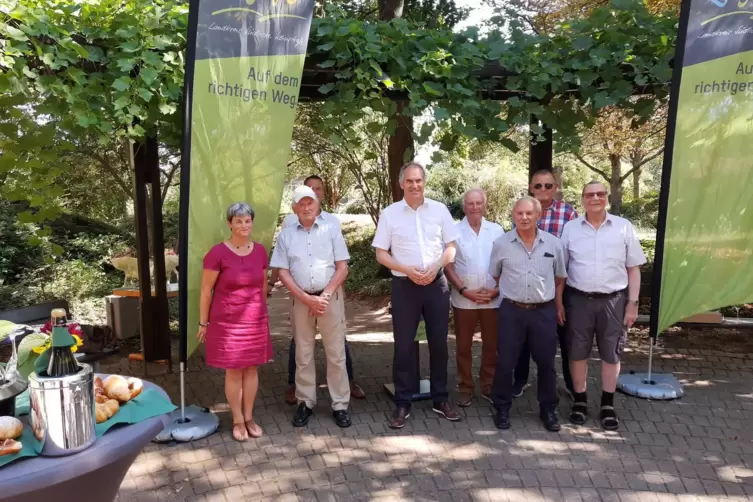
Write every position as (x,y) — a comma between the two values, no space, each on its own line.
(62,361)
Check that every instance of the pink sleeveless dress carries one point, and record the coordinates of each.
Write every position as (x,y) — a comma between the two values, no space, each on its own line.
(238,332)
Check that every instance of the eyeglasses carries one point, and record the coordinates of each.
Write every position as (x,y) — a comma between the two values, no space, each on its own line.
(539,186)
(591,195)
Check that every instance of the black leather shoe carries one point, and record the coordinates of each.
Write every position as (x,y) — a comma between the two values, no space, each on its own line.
(549,419)
(502,419)
(342,418)
(397,421)
(302,415)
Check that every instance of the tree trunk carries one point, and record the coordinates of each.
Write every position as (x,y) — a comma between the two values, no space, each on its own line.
(401,143)
(637,184)
(400,149)
(615,183)
(390,9)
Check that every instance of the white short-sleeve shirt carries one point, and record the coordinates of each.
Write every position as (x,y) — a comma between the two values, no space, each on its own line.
(310,255)
(598,259)
(472,261)
(416,238)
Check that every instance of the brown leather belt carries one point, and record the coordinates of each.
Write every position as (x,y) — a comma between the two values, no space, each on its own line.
(529,306)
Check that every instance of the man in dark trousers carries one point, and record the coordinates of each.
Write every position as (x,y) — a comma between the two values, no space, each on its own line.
(554,214)
(529,265)
(415,239)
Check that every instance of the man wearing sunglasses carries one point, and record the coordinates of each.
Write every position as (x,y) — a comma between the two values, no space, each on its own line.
(603,256)
(554,214)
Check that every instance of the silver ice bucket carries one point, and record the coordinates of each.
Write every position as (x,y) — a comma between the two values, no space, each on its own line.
(62,412)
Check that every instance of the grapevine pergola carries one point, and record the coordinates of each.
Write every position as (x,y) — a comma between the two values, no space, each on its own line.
(118,74)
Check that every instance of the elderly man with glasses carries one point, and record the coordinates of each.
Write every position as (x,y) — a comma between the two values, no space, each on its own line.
(603,256)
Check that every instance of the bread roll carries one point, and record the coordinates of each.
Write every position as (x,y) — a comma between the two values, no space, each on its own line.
(99,387)
(9,447)
(104,411)
(135,385)
(116,387)
(10,428)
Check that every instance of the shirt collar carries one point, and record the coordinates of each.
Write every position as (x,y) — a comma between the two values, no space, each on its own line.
(484,223)
(515,237)
(317,220)
(405,203)
(609,219)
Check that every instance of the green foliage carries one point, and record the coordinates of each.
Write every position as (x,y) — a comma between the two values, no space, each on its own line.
(642,212)
(562,77)
(363,269)
(111,67)
(649,248)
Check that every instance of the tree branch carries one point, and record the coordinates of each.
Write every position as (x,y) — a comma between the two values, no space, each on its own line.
(170,174)
(591,167)
(642,163)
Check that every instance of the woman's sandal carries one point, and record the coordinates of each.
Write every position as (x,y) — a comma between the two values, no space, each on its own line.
(608,417)
(254,430)
(579,413)
(238,436)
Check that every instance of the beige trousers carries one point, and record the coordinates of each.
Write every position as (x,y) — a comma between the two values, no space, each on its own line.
(332,328)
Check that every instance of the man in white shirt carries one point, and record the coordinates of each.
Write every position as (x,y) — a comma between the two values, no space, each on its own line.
(474,296)
(415,239)
(603,257)
(316,183)
(313,261)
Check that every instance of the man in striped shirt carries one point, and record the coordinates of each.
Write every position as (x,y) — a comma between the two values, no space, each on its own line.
(554,214)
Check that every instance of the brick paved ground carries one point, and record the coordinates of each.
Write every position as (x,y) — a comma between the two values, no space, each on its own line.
(697,448)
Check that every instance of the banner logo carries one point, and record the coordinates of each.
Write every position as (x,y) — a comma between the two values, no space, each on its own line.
(261,17)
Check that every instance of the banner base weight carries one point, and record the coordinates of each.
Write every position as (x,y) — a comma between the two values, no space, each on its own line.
(424,391)
(657,386)
(199,423)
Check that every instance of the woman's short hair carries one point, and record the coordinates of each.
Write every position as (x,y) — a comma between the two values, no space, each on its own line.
(239,209)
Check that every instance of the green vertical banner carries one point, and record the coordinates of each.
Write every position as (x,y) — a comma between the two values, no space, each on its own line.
(243,75)
(704,253)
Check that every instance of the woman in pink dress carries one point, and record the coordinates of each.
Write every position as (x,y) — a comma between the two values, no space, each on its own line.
(233,316)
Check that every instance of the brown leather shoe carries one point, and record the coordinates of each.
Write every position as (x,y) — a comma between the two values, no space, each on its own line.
(446,410)
(356,391)
(397,421)
(290,395)
(464,399)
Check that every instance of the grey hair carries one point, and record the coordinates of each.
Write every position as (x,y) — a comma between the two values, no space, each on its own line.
(401,176)
(239,209)
(474,190)
(592,182)
(532,200)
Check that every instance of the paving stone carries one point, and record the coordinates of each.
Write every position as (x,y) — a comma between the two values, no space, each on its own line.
(692,450)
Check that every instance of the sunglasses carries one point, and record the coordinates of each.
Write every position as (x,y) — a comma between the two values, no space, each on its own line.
(591,195)
(539,186)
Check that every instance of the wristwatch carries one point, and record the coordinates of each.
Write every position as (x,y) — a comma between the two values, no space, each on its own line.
(633,302)
(326,296)
(204,324)
(461,290)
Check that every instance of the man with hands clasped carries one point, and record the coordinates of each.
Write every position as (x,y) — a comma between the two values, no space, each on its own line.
(415,239)
(313,262)
(475,297)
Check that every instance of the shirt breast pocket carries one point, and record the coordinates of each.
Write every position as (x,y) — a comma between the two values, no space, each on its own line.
(544,265)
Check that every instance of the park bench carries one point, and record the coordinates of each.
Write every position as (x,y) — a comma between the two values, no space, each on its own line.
(35,316)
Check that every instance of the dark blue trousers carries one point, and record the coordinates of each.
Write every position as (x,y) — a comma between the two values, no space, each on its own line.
(538,329)
(291,362)
(411,302)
